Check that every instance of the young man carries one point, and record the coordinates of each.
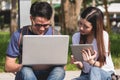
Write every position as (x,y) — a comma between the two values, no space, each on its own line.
(40,15)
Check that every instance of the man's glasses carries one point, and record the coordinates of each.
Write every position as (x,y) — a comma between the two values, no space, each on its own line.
(42,25)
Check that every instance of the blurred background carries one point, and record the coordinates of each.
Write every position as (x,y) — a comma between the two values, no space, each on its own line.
(66,13)
(14,14)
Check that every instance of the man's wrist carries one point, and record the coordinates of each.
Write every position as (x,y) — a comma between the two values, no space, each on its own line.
(20,67)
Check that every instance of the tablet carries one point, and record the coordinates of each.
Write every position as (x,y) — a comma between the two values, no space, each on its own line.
(76,50)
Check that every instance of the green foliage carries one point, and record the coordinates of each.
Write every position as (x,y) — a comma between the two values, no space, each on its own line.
(115,48)
(116,62)
(4,39)
(70,66)
(115,41)
(38,0)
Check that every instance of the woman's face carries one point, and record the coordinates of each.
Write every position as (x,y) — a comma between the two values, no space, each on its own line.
(85,27)
(40,25)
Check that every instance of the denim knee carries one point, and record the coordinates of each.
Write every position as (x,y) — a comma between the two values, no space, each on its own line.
(58,73)
(94,69)
(26,73)
(97,73)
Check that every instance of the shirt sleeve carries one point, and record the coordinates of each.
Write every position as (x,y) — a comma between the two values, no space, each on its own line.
(13,49)
(106,41)
(76,38)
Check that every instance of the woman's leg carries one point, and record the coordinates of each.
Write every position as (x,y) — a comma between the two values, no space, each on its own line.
(99,74)
(83,76)
(26,73)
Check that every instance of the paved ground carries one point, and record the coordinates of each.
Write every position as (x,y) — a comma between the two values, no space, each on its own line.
(69,75)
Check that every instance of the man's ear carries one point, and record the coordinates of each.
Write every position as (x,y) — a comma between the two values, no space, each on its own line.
(31,18)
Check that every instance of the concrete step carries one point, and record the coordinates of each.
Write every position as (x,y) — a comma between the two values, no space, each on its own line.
(69,75)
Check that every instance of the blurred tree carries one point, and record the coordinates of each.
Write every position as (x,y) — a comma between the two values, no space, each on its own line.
(116,1)
(108,26)
(52,19)
(70,13)
(93,3)
(13,26)
(38,0)
(87,3)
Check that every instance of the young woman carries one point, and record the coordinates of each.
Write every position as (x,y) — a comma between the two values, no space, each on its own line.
(98,66)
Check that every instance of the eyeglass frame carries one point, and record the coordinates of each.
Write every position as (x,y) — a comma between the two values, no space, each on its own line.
(42,25)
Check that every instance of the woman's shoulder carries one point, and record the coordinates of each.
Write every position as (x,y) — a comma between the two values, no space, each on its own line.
(76,38)
(76,34)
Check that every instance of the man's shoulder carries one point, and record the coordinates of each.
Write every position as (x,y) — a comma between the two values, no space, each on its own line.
(16,33)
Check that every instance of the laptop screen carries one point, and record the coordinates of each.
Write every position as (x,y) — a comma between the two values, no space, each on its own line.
(45,49)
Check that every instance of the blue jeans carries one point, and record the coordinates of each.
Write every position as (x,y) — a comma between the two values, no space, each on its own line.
(95,74)
(27,73)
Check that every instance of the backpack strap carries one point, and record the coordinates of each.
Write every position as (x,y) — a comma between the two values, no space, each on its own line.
(20,37)
(23,31)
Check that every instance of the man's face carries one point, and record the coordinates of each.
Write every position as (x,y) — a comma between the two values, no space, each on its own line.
(40,25)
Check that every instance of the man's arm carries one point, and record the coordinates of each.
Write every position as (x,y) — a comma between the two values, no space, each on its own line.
(11,65)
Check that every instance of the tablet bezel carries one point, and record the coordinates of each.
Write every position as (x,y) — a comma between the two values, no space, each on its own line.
(76,48)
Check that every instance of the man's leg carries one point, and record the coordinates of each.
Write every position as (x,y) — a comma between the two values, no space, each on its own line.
(26,73)
(57,73)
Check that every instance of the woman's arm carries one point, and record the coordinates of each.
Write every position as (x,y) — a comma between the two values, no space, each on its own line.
(94,63)
(90,58)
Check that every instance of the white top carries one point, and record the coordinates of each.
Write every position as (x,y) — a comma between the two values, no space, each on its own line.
(108,66)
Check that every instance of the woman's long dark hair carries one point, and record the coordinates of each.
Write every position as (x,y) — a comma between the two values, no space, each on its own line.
(95,17)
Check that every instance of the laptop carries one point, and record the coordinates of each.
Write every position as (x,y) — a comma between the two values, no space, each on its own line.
(77,48)
(45,49)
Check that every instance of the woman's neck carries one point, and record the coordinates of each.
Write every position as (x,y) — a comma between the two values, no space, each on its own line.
(90,38)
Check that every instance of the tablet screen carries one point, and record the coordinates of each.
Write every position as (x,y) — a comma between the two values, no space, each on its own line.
(76,50)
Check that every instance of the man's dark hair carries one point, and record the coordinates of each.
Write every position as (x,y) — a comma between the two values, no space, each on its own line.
(41,9)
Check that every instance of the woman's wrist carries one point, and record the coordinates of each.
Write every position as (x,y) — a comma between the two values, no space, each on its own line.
(92,62)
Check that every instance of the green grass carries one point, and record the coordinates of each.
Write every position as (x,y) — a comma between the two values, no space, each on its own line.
(115,50)
(4,39)
(70,66)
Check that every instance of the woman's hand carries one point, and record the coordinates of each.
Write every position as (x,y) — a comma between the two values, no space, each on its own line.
(74,61)
(89,55)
